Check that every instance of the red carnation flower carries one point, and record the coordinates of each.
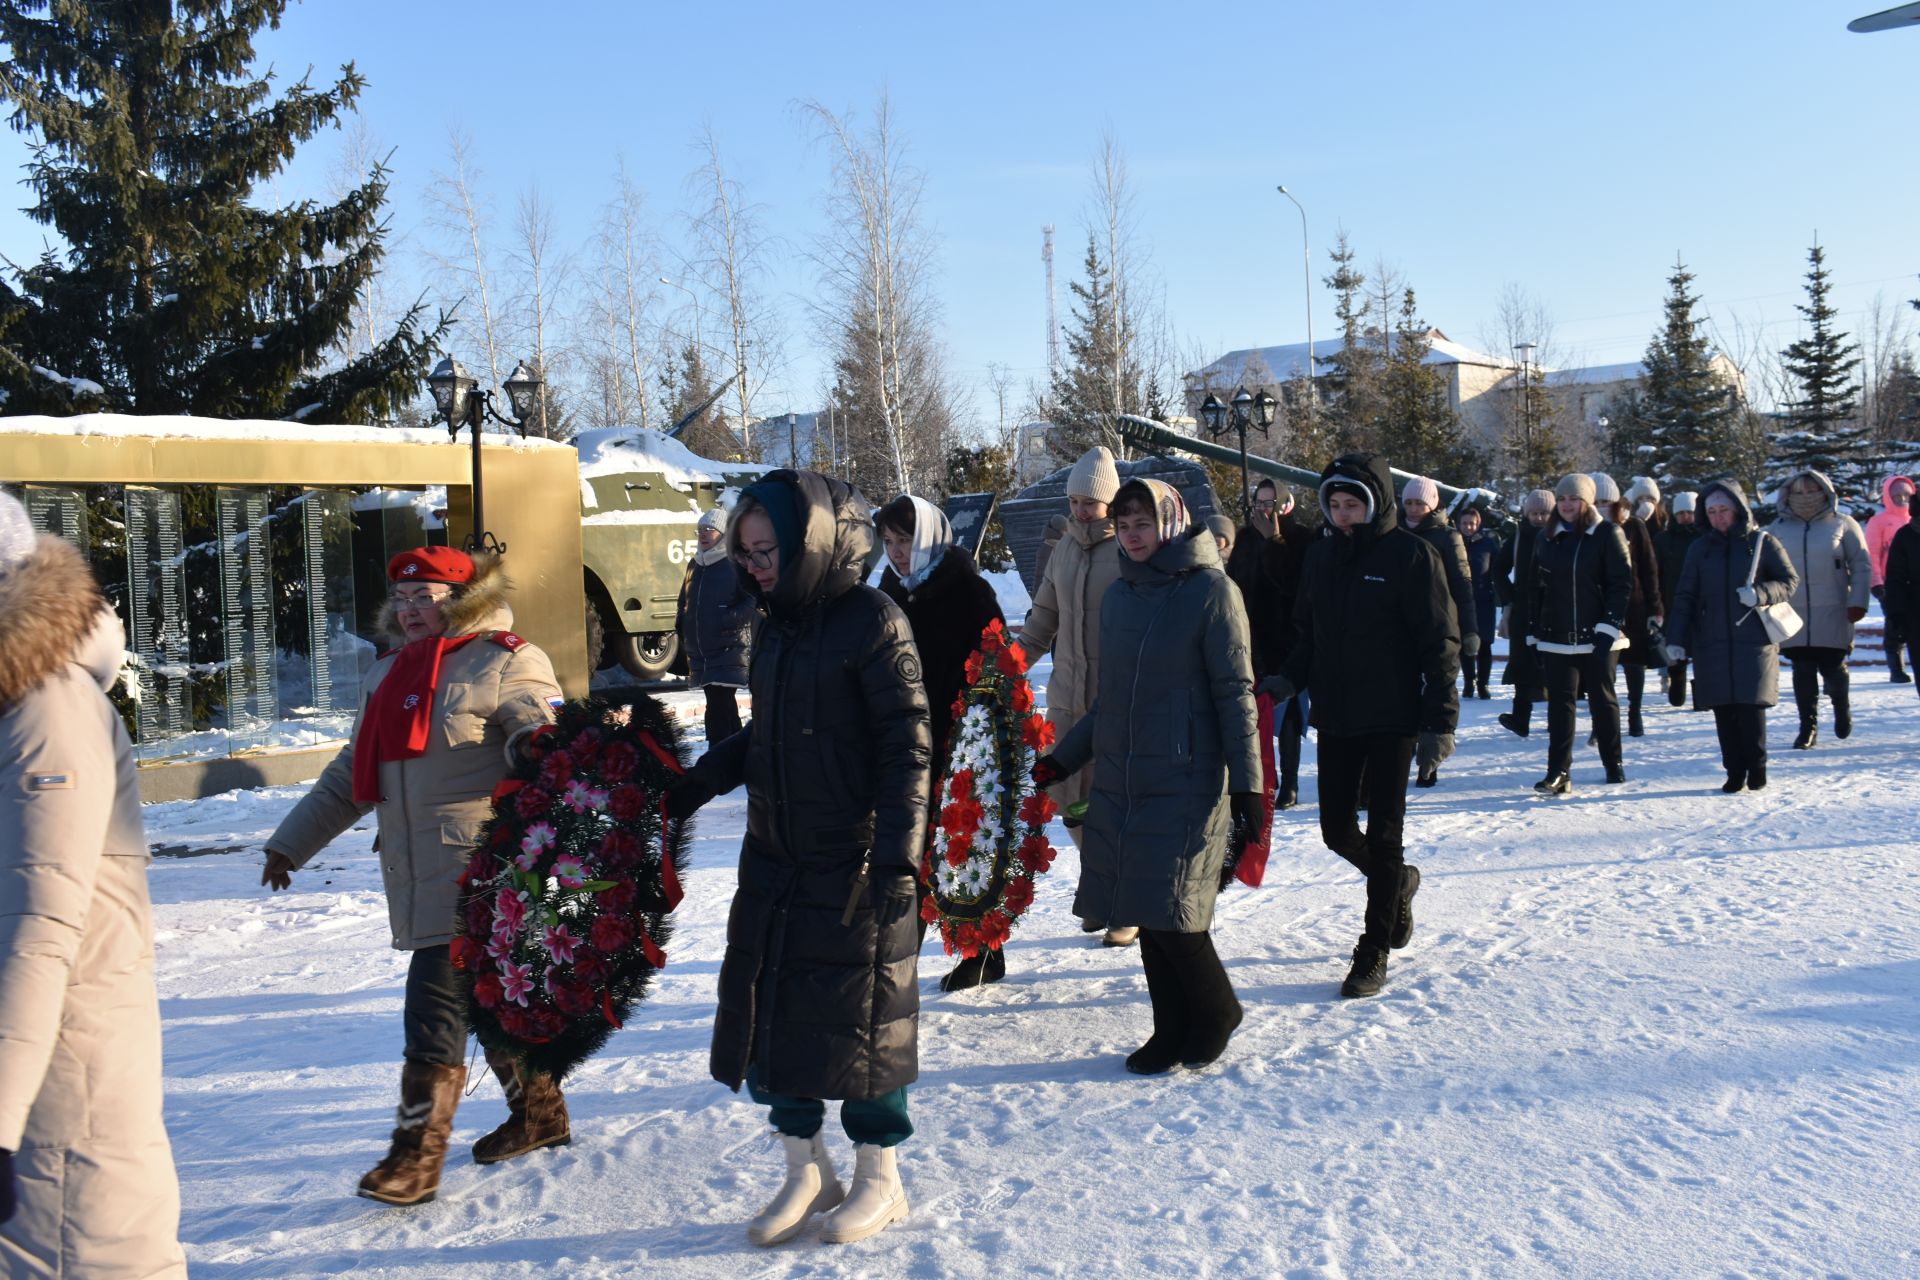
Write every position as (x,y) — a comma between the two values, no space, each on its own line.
(585,748)
(611,933)
(975,665)
(1037,732)
(513,1021)
(993,930)
(619,899)
(967,938)
(546,1022)
(618,850)
(627,803)
(960,786)
(619,761)
(555,770)
(592,966)
(464,952)
(1037,810)
(574,998)
(1036,855)
(486,991)
(531,802)
(929,910)
(1022,698)
(1014,661)
(958,850)
(1018,897)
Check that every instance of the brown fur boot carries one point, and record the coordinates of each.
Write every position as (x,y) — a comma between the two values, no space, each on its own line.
(410,1174)
(536,1113)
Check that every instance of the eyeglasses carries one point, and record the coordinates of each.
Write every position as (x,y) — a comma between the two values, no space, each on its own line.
(1264,506)
(756,559)
(402,602)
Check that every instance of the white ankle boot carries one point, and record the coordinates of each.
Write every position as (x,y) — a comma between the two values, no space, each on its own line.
(875,1201)
(811,1186)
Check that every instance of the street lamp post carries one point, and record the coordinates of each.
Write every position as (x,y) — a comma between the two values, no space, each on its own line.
(1248,409)
(463,402)
(1306,277)
(1527,458)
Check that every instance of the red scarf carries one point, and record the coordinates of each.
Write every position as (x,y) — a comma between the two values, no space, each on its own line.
(399,714)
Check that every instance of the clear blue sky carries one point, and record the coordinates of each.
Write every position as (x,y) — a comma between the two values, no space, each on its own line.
(1572,149)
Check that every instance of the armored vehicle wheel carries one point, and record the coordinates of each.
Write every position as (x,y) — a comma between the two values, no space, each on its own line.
(646,657)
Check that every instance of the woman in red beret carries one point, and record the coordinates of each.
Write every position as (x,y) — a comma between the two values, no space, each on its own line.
(441,715)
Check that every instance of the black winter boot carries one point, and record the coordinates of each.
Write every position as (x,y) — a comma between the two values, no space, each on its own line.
(1369,971)
(1403,923)
(1757,777)
(1736,781)
(1636,728)
(1809,733)
(1512,723)
(1554,784)
(1163,1047)
(1677,685)
(989,964)
(1289,794)
(1840,690)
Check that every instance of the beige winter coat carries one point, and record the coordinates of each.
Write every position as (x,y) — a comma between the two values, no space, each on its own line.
(1065,617)
(431,807)
(80,1078)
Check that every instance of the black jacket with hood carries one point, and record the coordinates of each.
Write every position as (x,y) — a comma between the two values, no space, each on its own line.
(1267,571)
(1735,663)
(818,988)
(1447,543)
(1377,636)
(947,613)
(1582,583)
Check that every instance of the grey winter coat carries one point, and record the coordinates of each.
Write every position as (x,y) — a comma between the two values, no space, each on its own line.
(1171,733)
(80,1102)
(1734,664)
(1830,553)
(715,621)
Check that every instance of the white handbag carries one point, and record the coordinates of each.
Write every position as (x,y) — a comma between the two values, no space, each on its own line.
(1782,621)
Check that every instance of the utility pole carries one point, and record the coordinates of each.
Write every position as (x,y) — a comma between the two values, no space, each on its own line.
(1053,323)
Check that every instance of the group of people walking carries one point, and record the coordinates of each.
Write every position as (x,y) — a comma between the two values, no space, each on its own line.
(1369,628)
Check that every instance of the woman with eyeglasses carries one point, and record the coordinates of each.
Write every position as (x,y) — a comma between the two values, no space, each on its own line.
(440,717)
(819,992)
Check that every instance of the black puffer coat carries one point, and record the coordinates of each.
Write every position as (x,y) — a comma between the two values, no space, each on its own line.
(1482,549)
(1267,571)
(715,621)
(1378,641)
(1513,567)
(1670,547)
(1734,663)
(835,762)
(1581,584)
(947,613)
(1644,600)
(1171,733)
(1452,549)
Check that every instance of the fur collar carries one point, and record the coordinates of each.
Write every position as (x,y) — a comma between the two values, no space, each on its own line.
(481,605)
(48,606)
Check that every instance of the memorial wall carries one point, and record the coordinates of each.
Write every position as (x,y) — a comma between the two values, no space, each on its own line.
(250,608)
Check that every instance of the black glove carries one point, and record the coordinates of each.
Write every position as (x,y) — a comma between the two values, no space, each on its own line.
(7,1198)
(1277,687)
(1047,771)
(1249,812)
(685,795)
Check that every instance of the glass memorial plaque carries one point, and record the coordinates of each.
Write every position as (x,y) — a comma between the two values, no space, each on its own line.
(59,511)
(156,621)
(246,610)
(321,657)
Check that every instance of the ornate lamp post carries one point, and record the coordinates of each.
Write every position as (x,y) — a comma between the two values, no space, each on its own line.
(1248,409)
(463,402)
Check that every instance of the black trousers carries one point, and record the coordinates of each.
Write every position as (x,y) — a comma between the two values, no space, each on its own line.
(1743,737)
(1292,727)
(1567,676)
(1812,664)
(1189,987)
(1382,759)
(435,1013)
(1894,636)
(723,713)
(1636,684)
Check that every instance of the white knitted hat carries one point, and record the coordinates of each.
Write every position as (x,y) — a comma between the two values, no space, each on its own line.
(17,536)
(1094,476)
(1421,489)
(1604,487)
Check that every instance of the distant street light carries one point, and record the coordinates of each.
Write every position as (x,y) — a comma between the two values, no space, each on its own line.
(1306,275)
(462,402)
(1249,409)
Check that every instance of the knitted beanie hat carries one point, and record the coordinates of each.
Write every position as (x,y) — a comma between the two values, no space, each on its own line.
(1683,503)
(1577,485)
(1094,476)
(1643,487)
(1604,488)
(1421,489)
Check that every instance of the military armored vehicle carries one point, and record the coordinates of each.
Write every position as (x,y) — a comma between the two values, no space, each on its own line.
(641,496)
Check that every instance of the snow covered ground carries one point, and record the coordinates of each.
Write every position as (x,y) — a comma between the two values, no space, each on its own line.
(1645,1030)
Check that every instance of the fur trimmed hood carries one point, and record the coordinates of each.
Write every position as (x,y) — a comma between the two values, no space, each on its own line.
(49,609)
(480,605)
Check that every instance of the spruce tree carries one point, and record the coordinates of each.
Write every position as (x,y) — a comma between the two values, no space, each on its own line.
(1354,404)
(1819,426)
(170,290)
(1419,430)
(1680,429)
(1102,376)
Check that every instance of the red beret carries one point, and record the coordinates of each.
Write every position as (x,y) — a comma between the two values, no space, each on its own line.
(431,564)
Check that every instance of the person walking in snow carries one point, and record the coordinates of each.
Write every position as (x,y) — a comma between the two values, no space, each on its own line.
(1065,617)
(1513,578)
(819,996)
(1900,593)
(715,620)
(1483,548)
(1829,552)
(1896,497)
(1576,624)
(1670,546)
(1644,612)
(1267,558)
(1378,648)
(1425,519)
(947,604)
(1173,743)
(442,716)
(1730,573)
(87,1183)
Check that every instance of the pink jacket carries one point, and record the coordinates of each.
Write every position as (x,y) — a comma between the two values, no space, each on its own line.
(1883,525)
